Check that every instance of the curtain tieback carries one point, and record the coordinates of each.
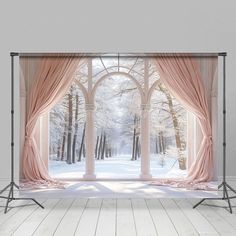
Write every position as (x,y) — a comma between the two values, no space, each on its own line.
(209,139)
(28,139)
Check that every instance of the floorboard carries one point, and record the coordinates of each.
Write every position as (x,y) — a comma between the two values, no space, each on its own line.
(201,224)
(29,225)
(13,209)
(13,222)
(125,225)
(88,223)
(107,217)
(52,220)
(143,220)
(162,221)
(217,221)
(71,218)
(182,224)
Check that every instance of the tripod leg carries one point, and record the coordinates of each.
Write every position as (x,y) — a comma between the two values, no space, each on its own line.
(5,188)
(37,203)
(220,185)
(199,203)
(8,199)
(226,192)
(17,186)
(231,188)
(12,192)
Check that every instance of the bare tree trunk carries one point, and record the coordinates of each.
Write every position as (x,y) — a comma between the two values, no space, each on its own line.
(136,148)
(82,143)
(96,148)
(106,149)
(181,159)
(84,150)
(163,143)
(103,146)
(100,147)
(156,144)
(160,143)
(58,149)
(76,128)
(162,149)
(69,135)
(139,149)
(63,145)
(109,152)
(134,137)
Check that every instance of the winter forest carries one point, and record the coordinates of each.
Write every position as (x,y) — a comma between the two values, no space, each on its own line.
(117,114)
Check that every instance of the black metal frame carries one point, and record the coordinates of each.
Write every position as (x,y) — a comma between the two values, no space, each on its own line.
(224,185)
(10,197)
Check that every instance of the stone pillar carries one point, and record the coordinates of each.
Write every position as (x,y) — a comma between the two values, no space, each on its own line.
(145,143)
(89,143)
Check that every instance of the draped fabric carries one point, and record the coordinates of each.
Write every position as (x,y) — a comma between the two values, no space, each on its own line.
(182,78)
(52,80)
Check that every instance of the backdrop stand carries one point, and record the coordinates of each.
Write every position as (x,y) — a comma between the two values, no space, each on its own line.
(12,185)
(224,185)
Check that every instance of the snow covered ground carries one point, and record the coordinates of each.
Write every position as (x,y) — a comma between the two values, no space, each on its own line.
(116,189)
(120,167)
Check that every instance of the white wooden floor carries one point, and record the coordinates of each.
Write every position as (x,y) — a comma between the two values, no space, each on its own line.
(118,217)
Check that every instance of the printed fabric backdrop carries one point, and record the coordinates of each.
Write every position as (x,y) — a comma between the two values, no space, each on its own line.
(129,116)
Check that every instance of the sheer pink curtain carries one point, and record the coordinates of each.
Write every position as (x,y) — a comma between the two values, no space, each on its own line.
(181,76)
(53,79)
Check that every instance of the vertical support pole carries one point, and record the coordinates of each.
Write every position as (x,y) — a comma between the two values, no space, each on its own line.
(145,130)
(12,118)
(224,121)
(89,132)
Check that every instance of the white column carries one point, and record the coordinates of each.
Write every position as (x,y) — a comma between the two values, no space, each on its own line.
(89,132)
(145,143)
(145,135)
(89,143)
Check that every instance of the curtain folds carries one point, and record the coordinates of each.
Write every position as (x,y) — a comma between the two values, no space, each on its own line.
(53,78)
(182,78)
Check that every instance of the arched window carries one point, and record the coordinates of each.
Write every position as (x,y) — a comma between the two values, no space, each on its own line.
(127,125)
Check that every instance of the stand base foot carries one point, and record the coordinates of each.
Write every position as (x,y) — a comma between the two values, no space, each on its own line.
(226,196)
(11,197)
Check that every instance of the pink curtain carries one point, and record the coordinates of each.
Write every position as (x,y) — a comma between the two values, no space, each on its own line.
(53,79)
(182,78)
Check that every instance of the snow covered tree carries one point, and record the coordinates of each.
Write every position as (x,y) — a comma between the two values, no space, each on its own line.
(172,114)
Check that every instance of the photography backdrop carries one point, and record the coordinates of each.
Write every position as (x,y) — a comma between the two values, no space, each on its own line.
(185,122)
(116,26)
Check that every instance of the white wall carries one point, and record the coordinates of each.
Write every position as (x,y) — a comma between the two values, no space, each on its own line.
(116,26)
